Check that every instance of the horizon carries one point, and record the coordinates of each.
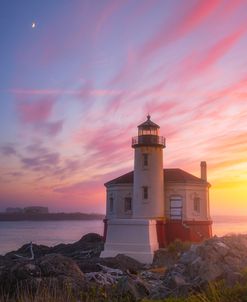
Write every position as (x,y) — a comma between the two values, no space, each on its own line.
(77,78)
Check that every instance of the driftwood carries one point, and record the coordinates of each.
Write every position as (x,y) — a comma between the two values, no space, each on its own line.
(107,276)
(109,270)
(31,251)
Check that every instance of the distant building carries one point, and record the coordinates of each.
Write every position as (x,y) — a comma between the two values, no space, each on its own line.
(14,210)
(36,210)
(151,206)
(28,210)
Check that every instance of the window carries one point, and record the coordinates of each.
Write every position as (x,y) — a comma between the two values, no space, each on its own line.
(197,204)
(111,204)
(145,159)
(176,204)
(127,204)
(145,192)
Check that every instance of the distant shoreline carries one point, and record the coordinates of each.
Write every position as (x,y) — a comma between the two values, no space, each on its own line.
(49,216)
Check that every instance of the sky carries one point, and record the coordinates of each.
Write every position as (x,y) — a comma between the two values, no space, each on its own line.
(77,77)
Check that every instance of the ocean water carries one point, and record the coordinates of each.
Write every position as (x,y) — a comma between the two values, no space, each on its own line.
(13,234)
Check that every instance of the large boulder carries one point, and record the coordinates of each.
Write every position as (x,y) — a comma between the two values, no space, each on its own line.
(54,270)
(215,259)
(120,261)
(88,246)
(135,288)
(24,251)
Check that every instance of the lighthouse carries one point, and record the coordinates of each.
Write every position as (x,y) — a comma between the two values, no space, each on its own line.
(133,231)
(149,207)
(148,189)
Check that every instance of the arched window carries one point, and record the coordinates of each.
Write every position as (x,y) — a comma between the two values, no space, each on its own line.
(176,206)
(127,204)
(197,205)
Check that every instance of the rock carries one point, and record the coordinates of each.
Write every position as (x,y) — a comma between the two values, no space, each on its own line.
(53,265)
(212,260)
(39,251)
(222,248)
(188,257)
(234,262)
(89,265)
(54,270)
(63,266)
(210,272)
(122,262)
(18,273)
(178,280)
(135,288)
(91,238)
(163,257)
(88,246)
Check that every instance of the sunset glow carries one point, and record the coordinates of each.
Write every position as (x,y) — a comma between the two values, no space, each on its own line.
(73,91)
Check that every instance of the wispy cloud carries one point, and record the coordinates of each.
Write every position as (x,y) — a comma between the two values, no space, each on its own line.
(35,111)
(8,150)
(106,13)
(50,128)
(84,91)
(190,20)
(198,63)
(41,163)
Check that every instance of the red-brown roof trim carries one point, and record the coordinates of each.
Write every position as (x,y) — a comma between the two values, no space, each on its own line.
(170,175)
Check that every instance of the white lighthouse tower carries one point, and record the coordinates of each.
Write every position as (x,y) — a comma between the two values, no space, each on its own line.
(136,236)
(148,199)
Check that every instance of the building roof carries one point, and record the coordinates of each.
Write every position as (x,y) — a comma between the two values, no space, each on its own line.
(148,123)
(170,175)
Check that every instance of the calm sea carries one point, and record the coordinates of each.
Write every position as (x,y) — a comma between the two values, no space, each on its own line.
(13,234)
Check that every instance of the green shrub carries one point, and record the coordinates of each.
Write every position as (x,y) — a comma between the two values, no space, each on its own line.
(178,246)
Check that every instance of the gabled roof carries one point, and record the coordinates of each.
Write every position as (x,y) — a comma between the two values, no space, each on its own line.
(170,175)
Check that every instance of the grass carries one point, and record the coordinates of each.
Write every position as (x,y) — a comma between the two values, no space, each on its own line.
(216,292)
(177,247)
(55,294)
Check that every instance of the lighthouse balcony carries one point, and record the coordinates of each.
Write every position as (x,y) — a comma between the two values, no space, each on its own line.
(148,140)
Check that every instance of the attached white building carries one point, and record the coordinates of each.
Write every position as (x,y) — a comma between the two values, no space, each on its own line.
(152,206)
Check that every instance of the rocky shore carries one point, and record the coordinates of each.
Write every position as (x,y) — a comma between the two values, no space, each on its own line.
(179,270)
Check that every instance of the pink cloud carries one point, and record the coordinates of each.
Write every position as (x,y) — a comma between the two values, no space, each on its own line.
(84,91)
(107,12)
(127,68)
(107,144)
(216,101)
(35,111)
(50,128)
(187,23)
(196,64)
(170,32)
(8,150)
(141,10)
(82,187)
(45,163)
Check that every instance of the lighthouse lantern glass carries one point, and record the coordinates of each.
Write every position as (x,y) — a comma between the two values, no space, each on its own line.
(148,131)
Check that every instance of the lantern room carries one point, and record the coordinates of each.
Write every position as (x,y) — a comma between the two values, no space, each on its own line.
(148,135)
